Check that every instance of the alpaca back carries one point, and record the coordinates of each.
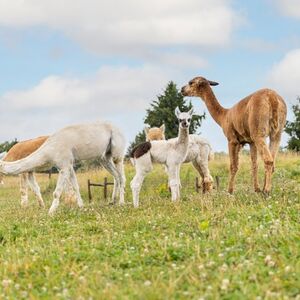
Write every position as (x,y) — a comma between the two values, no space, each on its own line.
(77,142)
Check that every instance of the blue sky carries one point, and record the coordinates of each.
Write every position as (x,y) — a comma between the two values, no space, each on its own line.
(63,63)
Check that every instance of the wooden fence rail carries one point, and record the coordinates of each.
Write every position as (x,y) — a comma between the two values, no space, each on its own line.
(105,184)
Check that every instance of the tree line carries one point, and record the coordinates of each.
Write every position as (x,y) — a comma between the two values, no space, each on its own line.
(161,111)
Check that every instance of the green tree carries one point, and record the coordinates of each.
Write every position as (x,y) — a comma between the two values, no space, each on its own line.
(292,128)
(162,110)
(5,146)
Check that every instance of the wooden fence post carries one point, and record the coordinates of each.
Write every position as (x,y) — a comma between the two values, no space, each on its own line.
(218,182)
(197,184)
(89,190)
(105,188)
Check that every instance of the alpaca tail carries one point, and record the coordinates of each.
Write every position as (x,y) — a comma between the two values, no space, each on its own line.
(29,163)
(132,161)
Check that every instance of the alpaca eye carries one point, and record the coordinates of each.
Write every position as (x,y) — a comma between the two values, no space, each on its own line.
(189,120)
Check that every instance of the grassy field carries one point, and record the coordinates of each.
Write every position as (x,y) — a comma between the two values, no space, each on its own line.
(217,246)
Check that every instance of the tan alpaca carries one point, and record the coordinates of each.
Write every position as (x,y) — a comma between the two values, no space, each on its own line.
(22,150)
(199,153)
(252,120)
(155,133)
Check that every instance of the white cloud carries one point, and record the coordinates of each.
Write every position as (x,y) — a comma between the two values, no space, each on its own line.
(289,7)
(284,77)
(127,26)
(119,94)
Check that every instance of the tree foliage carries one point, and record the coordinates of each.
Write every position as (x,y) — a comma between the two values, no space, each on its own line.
(292,128)
(162,111)
(5,146)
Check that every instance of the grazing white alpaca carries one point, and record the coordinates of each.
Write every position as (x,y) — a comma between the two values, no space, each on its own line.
(168,152)
(199,153)
(77,142)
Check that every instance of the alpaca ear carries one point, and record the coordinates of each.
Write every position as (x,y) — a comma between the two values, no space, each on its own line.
(177,112)
(162,128)
(213,83)
(146,129)
(191,112)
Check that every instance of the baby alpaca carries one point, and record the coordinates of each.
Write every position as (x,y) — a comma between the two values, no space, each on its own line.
(77,142)
(171,153)
(199,153)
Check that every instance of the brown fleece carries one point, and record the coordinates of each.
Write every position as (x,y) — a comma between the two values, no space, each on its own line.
(140,150)
(25,148)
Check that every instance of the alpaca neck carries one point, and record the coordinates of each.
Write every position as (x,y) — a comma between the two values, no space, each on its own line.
(29,163)
(183,136)
(216,110)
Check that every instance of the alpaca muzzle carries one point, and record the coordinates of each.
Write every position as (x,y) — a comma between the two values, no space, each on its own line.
(183,91)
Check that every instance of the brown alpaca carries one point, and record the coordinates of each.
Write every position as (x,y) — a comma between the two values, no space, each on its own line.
(20,151)
(252,120)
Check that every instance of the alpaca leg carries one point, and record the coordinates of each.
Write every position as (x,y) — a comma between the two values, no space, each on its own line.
(143,166)
(268,162)
(74,183)
(36,189)
(60,185)
(136,185)
(253,153)
(234,149)
(199,170)
(24,189)
(110,167)
(174,184)
(274,146)
(120,167)
(178,180)
(202,161)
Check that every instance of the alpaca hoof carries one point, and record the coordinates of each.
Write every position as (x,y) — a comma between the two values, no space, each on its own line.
(80,204)
(24,204)
(266,193)
(51,211)
(41,204)
(257,190)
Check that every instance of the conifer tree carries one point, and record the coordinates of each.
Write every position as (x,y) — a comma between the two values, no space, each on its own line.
(292,128)
(162,111)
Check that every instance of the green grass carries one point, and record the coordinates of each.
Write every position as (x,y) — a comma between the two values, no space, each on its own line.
(217,246)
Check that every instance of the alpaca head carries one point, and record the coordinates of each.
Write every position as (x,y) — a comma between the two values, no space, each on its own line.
(197,86)
(184,118)
(155,133)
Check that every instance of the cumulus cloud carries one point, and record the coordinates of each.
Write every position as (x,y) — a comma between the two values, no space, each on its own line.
(127,26)
(289,7)
(285,75)
(119,94)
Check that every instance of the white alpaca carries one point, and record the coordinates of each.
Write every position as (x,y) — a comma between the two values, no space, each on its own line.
(171,153)
(199,153)
(77,142)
